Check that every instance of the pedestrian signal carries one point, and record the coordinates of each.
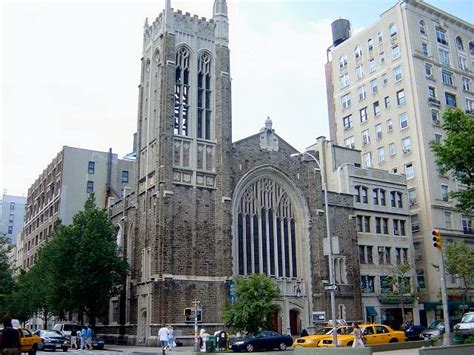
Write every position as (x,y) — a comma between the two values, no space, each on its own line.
(437,243)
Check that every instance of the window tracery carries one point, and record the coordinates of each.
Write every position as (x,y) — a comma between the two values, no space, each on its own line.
(204,112)
(181,95)
(266,231)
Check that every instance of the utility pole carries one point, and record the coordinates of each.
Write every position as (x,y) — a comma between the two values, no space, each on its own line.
(196,303)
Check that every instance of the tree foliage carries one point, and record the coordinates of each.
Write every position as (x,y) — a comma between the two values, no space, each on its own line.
(400,284)
(460,261)
(6,278)
(455,153)
(255,297)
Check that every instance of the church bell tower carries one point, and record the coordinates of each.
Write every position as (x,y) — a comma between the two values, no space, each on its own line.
(181,235)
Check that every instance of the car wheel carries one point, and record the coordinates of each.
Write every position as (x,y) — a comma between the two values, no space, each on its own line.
(33,350)
(394,340)
(249,348)
(282,347)
(350,343)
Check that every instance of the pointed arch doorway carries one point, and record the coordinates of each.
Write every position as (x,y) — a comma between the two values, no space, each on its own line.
(295,322)
(275,322)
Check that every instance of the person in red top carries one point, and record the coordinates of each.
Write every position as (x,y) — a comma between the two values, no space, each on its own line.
(10,338)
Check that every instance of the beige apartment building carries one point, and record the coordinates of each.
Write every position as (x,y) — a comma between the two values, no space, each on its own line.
(388,86)
(62,189)
(384,237)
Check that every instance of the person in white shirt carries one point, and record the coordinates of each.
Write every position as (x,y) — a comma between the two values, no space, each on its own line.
(163,335)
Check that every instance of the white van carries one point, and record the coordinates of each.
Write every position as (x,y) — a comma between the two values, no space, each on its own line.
(67,328)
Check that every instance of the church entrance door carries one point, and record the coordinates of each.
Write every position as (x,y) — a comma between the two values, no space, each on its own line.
(295,322)
(275,320)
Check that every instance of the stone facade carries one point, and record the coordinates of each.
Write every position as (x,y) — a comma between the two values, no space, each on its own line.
(206,210)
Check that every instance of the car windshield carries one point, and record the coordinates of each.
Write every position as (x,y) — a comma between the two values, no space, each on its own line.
(322,331)
(345,330)
(435,324)
(51,333)
(468,318)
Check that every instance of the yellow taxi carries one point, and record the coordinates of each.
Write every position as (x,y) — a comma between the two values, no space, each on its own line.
(311,341)
(373,334)
(29,342)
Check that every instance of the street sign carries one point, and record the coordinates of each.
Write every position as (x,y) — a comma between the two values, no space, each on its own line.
(330,287)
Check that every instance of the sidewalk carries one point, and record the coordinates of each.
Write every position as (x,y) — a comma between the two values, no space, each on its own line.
(148,349)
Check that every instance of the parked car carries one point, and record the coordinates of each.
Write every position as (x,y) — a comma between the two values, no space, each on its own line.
(373,333)
(97,343)
(29,342)
(52,340)
(311,341)
(466,326)
(265,340)
(67,328)
(413,332)
(434,330)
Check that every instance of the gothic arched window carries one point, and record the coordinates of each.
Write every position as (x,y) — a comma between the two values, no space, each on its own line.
(459,44)
(204,112)
(266,231)
(181,93)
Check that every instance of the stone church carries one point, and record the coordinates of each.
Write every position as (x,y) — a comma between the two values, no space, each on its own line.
(206,209)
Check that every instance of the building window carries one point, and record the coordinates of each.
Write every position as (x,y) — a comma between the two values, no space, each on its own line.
(385,224)
(403,118)
(395,52)
(382,58)
(466,223)
(444,57)
(382,197)
(12,206)
(380,37)
(438,137)
(362,258)
(385,286)
(425,49)
(204,101)
(441,36)
(391,149)
(378,225)
(359,224)
(412,196)
(367,224)
(357,193)
(466,84)
(363,114)
(349,142)
(370,45)
(346,101)
(447,78)
(445,193)
(471,47)
(384,79)
(361,92)
(344,78)
(181,96)
(459,44)
(392,29)
(373,86)
(415,223)
(365,198)
(389,125)
(422,27)
(367,160)
(397,73)
(428,70)
(447,220)
(11,217)
(376,106)
(357,52)
(91,167)
(470,106)
(360,71)
(365,137)
(462,63)
(343,61)
(450,99)
(372,65)
(347,122)
(10,229)
(435,117)
(124,176)
(375,197)
(378,132)
(406,145)
(90,186)
(409,171)
(386,100)
(384,255)
(367,283)
(401,97)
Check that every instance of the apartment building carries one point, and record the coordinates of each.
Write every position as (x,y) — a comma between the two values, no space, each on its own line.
(388,86)
(62,189)
(12,215)
(382,216)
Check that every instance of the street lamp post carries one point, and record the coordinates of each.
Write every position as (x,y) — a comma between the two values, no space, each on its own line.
(332,275)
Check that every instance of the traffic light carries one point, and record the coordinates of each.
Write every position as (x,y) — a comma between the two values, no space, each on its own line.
(437,243)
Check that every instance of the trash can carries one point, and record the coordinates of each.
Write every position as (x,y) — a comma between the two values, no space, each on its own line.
(222,341)
(211,344)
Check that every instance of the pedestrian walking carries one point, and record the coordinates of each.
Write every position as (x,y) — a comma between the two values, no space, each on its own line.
(74,339)
(83,338)
(88,337)
(163,335)
(10,337)
(358,338)
(171,343)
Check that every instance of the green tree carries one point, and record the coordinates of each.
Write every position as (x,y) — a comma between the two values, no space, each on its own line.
(460,261)
(400,285)
(6,277)
(455,153)
(83,265)
(255,297)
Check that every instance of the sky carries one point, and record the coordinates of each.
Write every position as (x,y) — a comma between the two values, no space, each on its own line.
(70,71)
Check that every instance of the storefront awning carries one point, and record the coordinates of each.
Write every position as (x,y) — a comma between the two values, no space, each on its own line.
(371,312)
(453,306)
